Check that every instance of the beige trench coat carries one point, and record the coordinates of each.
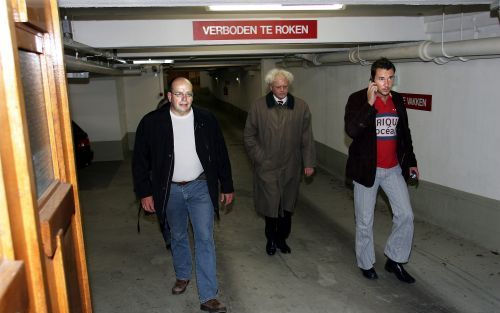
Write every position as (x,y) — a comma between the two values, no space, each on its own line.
(279,141)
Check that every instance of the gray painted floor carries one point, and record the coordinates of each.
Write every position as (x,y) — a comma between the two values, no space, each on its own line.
(131,272)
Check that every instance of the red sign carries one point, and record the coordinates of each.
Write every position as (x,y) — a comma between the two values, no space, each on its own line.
(261,29)
(417,101)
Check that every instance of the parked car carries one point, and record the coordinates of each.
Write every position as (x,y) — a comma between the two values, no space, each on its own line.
(83,153)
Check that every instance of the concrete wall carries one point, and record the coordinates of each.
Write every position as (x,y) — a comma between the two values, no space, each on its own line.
(142,94)
(242,87)
(109,110)
(179,32)
(463,119)
(456,143)
(460,128)
(462,26)
(96,107)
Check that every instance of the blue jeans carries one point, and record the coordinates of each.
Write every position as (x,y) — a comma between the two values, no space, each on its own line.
(398,245)
(166,234)
(192,202)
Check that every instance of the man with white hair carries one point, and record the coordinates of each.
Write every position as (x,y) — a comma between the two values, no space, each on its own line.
(279,141)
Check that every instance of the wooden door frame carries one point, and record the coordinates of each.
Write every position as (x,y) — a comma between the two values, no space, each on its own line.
(18,200)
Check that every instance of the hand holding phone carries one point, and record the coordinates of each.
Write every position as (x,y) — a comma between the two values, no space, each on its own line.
(414,175)
(372,92)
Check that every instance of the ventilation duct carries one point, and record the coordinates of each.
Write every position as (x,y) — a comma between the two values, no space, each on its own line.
(76,65)
(79,62)
(87,50)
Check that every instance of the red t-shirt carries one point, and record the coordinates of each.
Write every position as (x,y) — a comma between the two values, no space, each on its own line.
(386,121)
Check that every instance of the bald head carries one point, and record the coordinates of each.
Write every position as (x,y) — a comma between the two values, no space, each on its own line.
(180,80)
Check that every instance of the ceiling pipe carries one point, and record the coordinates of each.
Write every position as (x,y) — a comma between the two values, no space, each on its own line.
(80,47)
(426,51)
(74,64)
(77,46)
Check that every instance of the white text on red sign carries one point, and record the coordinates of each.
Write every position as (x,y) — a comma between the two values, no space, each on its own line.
(267,29)
(417,101)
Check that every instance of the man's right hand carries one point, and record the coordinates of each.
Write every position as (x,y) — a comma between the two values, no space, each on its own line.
(371,93)
(148,204)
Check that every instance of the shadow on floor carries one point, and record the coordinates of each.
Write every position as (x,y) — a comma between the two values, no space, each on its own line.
(98,175)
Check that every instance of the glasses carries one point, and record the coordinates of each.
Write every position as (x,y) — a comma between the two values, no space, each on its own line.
(182,95)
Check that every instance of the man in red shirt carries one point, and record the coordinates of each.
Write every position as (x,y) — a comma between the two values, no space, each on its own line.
(381,155)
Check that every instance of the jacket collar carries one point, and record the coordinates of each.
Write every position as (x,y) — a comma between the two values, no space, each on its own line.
(271,103)
(199,121)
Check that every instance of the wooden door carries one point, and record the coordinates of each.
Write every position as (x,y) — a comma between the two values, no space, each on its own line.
(42,257)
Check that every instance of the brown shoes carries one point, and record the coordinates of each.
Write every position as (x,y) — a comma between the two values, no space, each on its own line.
(179,286)
(213,306)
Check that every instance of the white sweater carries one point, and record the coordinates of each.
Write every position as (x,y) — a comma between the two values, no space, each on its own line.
(187,165)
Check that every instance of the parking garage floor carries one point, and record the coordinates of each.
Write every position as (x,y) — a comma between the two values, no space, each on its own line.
(132,272)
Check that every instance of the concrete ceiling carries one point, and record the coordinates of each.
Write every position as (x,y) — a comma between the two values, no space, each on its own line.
(173,9)
(181,3)
(215,56)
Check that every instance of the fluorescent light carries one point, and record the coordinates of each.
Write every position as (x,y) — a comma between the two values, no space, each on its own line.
(78,75)
(152,61)
(244,7)
(275,7)
(313,7)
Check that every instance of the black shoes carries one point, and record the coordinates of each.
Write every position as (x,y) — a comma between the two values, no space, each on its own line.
(284,248)
(271,247)
(370,274)
(399,271)
(281,244)
(391,267)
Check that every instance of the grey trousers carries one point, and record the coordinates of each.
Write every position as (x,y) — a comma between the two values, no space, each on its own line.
(398,245)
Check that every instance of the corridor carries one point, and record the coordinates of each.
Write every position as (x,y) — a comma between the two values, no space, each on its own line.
(132,272)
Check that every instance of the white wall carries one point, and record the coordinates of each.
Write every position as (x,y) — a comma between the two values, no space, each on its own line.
(457,144)
(179,32)
(142,94)
(109,108)
(120,93)
(95,107)
(462,26)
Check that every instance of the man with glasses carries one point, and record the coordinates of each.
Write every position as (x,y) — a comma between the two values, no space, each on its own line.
(381,154)
(180,159)
(279,140)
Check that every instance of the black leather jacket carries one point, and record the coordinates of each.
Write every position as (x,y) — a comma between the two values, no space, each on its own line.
(359,122)
(153,158)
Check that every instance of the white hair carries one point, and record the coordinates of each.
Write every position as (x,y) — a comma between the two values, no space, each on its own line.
(272,74)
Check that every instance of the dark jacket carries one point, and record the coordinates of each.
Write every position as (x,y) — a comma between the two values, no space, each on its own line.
(153,159)
(360,126)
